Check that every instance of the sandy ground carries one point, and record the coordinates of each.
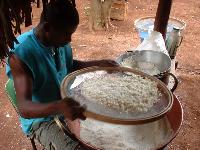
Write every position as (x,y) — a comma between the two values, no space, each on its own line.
(110,44)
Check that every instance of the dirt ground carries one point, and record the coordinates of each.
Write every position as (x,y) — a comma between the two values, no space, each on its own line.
(110,44)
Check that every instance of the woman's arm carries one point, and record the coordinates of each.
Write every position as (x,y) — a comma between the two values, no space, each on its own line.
(77,64)
(23,82)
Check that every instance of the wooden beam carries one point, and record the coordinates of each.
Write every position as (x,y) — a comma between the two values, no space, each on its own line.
(162,16)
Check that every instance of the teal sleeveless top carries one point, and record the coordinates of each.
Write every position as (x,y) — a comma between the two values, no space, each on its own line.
(47,76)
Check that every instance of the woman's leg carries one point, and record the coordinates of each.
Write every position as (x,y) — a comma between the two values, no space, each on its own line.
(51,137)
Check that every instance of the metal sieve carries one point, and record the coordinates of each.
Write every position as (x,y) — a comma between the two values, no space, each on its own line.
(100,112)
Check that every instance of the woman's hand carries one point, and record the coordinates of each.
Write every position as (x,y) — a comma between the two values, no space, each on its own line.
(77,64)
(71,109)
(106,63)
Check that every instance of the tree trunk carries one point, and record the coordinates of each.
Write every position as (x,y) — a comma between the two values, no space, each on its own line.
(100,14)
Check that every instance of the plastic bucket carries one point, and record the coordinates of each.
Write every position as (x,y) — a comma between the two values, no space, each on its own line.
(145,24)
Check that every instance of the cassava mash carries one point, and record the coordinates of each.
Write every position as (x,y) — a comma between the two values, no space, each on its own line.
(127,93)
(146,67)
(108,136)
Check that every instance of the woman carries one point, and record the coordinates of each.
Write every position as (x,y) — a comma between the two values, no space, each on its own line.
(37,66)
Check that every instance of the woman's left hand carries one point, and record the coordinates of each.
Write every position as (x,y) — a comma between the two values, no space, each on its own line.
(101,63)
(106,63)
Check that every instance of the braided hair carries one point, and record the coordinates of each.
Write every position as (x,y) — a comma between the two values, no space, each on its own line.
(60,13)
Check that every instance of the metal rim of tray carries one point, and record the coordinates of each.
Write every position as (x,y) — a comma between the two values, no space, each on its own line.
(109,119)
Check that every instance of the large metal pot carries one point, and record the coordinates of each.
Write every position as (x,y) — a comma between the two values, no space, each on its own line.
(174,116)
(144,24)
(161,60)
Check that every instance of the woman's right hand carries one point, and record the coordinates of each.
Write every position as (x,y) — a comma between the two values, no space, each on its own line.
(71,109)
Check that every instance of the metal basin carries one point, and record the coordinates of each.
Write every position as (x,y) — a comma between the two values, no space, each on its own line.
(175,118)
(144,24)
(159,59)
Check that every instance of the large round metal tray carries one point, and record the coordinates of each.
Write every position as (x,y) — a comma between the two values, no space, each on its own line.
(100,112)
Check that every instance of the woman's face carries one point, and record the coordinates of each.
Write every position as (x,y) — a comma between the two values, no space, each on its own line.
(59,37)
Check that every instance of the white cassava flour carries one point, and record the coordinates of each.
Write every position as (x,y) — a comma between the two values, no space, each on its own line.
(125,93)
(125,137)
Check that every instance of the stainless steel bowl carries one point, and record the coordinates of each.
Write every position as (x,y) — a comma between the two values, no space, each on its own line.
(159,59)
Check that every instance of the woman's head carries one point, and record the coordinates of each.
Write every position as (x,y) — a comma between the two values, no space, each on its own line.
(59,20)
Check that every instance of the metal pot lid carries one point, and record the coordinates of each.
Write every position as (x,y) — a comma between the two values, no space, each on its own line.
(100,112)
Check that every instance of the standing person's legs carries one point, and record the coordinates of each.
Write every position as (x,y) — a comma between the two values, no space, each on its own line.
(51,137)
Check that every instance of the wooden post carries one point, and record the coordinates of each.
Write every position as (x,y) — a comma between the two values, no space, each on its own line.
(38,3)
(162,16)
